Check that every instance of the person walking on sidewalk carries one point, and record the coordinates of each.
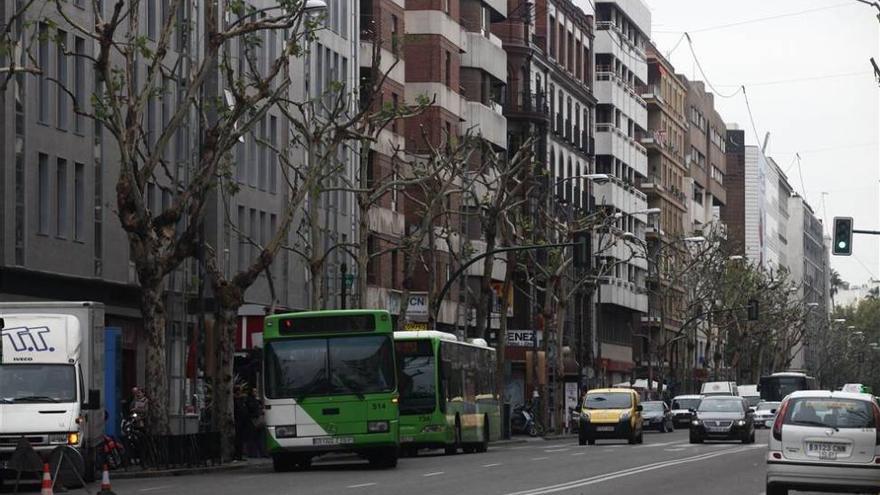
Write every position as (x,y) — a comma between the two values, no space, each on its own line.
(242,422)
(256,439)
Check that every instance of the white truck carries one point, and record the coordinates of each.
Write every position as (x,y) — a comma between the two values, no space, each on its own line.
(51,377)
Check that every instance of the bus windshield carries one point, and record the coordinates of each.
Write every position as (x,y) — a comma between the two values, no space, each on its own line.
(37,383)
(298,368)
(774,388)
(417,375)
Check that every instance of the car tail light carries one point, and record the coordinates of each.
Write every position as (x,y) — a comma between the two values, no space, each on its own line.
(780,417)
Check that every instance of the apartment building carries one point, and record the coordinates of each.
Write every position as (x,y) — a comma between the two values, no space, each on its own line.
(706,156)
(622,34)
(666,96)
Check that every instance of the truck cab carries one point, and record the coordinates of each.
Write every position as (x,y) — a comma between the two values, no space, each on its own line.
(48,391)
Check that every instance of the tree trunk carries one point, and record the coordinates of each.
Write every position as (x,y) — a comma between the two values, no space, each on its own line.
(225,325)
(485,300)
(363,253)
(153,312)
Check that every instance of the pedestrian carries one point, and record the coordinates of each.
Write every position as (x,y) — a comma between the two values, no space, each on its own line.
(257,447)
(242,422)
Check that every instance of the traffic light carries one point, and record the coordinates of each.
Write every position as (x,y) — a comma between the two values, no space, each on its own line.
(752,309)
(843,233)
(582,246)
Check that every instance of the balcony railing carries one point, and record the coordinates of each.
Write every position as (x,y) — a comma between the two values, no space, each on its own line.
(528,103)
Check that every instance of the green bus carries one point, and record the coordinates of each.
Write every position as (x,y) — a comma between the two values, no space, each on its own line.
(447,392)
(329,386)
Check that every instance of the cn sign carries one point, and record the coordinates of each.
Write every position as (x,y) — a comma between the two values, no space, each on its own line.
(521,338)
(417,304)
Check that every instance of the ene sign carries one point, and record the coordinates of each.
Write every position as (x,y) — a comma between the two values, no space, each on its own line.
(521,338)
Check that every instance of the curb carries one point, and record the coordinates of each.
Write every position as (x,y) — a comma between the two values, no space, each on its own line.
(129,475)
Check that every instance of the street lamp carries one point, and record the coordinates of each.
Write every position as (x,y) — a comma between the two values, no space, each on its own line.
(813,305)
(597,178)
(735,257)
(314,6)
(839,320)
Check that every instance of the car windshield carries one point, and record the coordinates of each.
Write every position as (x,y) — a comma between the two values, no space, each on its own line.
(767,406)
(37,383)
(653,406)
(611,400)
(297,368)
(830,412)
(686,403)
(716,405)
(416,376)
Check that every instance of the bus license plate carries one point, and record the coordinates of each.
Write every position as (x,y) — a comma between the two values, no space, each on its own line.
(407,439)
(604,428)
(332,440)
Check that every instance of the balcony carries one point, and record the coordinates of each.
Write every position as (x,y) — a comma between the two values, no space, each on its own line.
(386,221)
(625,197)
(612,90)
(631,56)
(486,54)
(532,106)
(612,141)
(488,122)
(623,293)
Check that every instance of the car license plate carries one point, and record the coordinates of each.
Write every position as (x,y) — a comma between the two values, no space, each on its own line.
(604,428)
(826,450)
(716,429)
(332,440)
(407,439)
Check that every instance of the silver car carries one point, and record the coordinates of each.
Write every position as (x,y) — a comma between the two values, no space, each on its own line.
(765,413)
(825,441)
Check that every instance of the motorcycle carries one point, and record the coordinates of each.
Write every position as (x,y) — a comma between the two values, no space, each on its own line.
(133,434)
(523,421)
(112,452)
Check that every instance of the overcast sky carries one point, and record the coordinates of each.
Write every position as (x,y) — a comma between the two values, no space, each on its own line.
(832,122)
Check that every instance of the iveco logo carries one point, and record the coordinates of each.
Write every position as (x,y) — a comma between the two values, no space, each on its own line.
(331,428)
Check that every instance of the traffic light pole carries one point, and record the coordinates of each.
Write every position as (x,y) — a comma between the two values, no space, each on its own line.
(869,232)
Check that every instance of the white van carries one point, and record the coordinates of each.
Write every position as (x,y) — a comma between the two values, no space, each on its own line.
(750,393)
(719,388)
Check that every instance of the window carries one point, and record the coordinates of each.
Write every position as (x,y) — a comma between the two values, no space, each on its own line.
(552,37)
(252,232)
(151,19)
(262,155)
(61,75)
(242,242)
(61,198)
(79,80)
(43,195)
(445,6)
(448,69)
(263,227)
(395,39)
(273,154)
(394,103)
(43,58)
(79,198)
(252,159)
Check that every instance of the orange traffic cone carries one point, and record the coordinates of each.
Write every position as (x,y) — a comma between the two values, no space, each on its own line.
(105,483)
(47,481)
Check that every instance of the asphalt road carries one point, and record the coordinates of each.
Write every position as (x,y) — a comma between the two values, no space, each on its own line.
(664,464)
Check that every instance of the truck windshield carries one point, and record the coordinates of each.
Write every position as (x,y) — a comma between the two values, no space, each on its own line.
(37,383)
(299,368)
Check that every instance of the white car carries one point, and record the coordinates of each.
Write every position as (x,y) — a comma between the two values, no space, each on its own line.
(826,441)
(765,413)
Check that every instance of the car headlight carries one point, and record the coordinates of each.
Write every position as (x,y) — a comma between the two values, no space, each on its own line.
(433,429)
(695,422)
(377,426)
(58,438)
(741,423)
(285,431)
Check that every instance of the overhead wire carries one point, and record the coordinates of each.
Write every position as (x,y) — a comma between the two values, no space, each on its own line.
(703,72)
(759,19)
(802,79)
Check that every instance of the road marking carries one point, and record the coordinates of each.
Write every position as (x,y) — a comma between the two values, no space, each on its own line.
(491,465)
(679,449)
(579,453)
(539,458)
(570,485)
(649,445)
(519,448)
(362,485)
(155,488)
(438,473)
(557,450)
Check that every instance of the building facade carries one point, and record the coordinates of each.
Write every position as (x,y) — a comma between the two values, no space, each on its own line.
(622,33)
(706,156)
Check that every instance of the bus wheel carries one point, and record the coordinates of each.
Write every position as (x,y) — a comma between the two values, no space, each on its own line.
(483,446)
(453,449)
(303,463)
(383,459)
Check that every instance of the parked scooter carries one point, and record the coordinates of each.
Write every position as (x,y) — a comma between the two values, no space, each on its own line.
(523,421)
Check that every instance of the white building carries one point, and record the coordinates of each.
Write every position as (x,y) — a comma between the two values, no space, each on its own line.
(622,32)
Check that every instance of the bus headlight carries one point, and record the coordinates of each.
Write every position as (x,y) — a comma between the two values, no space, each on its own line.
(285,431)
(377,426)
(73,438)
(433,429)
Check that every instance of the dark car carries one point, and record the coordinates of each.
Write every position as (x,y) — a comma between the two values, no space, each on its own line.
(656,415)
(723,418)
(683,407)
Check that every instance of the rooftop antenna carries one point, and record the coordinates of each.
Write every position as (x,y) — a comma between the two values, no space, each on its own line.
(766,142)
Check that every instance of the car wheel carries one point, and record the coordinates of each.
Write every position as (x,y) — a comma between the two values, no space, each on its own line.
(632,439)
(591,441)
(641,437)
(582,438)
(695,439)
(776,490)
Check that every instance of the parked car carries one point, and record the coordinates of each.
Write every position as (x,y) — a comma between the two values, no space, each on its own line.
(723,418)
(825,441)
(765,413)
(610,413)
(682,409)
(656,415)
